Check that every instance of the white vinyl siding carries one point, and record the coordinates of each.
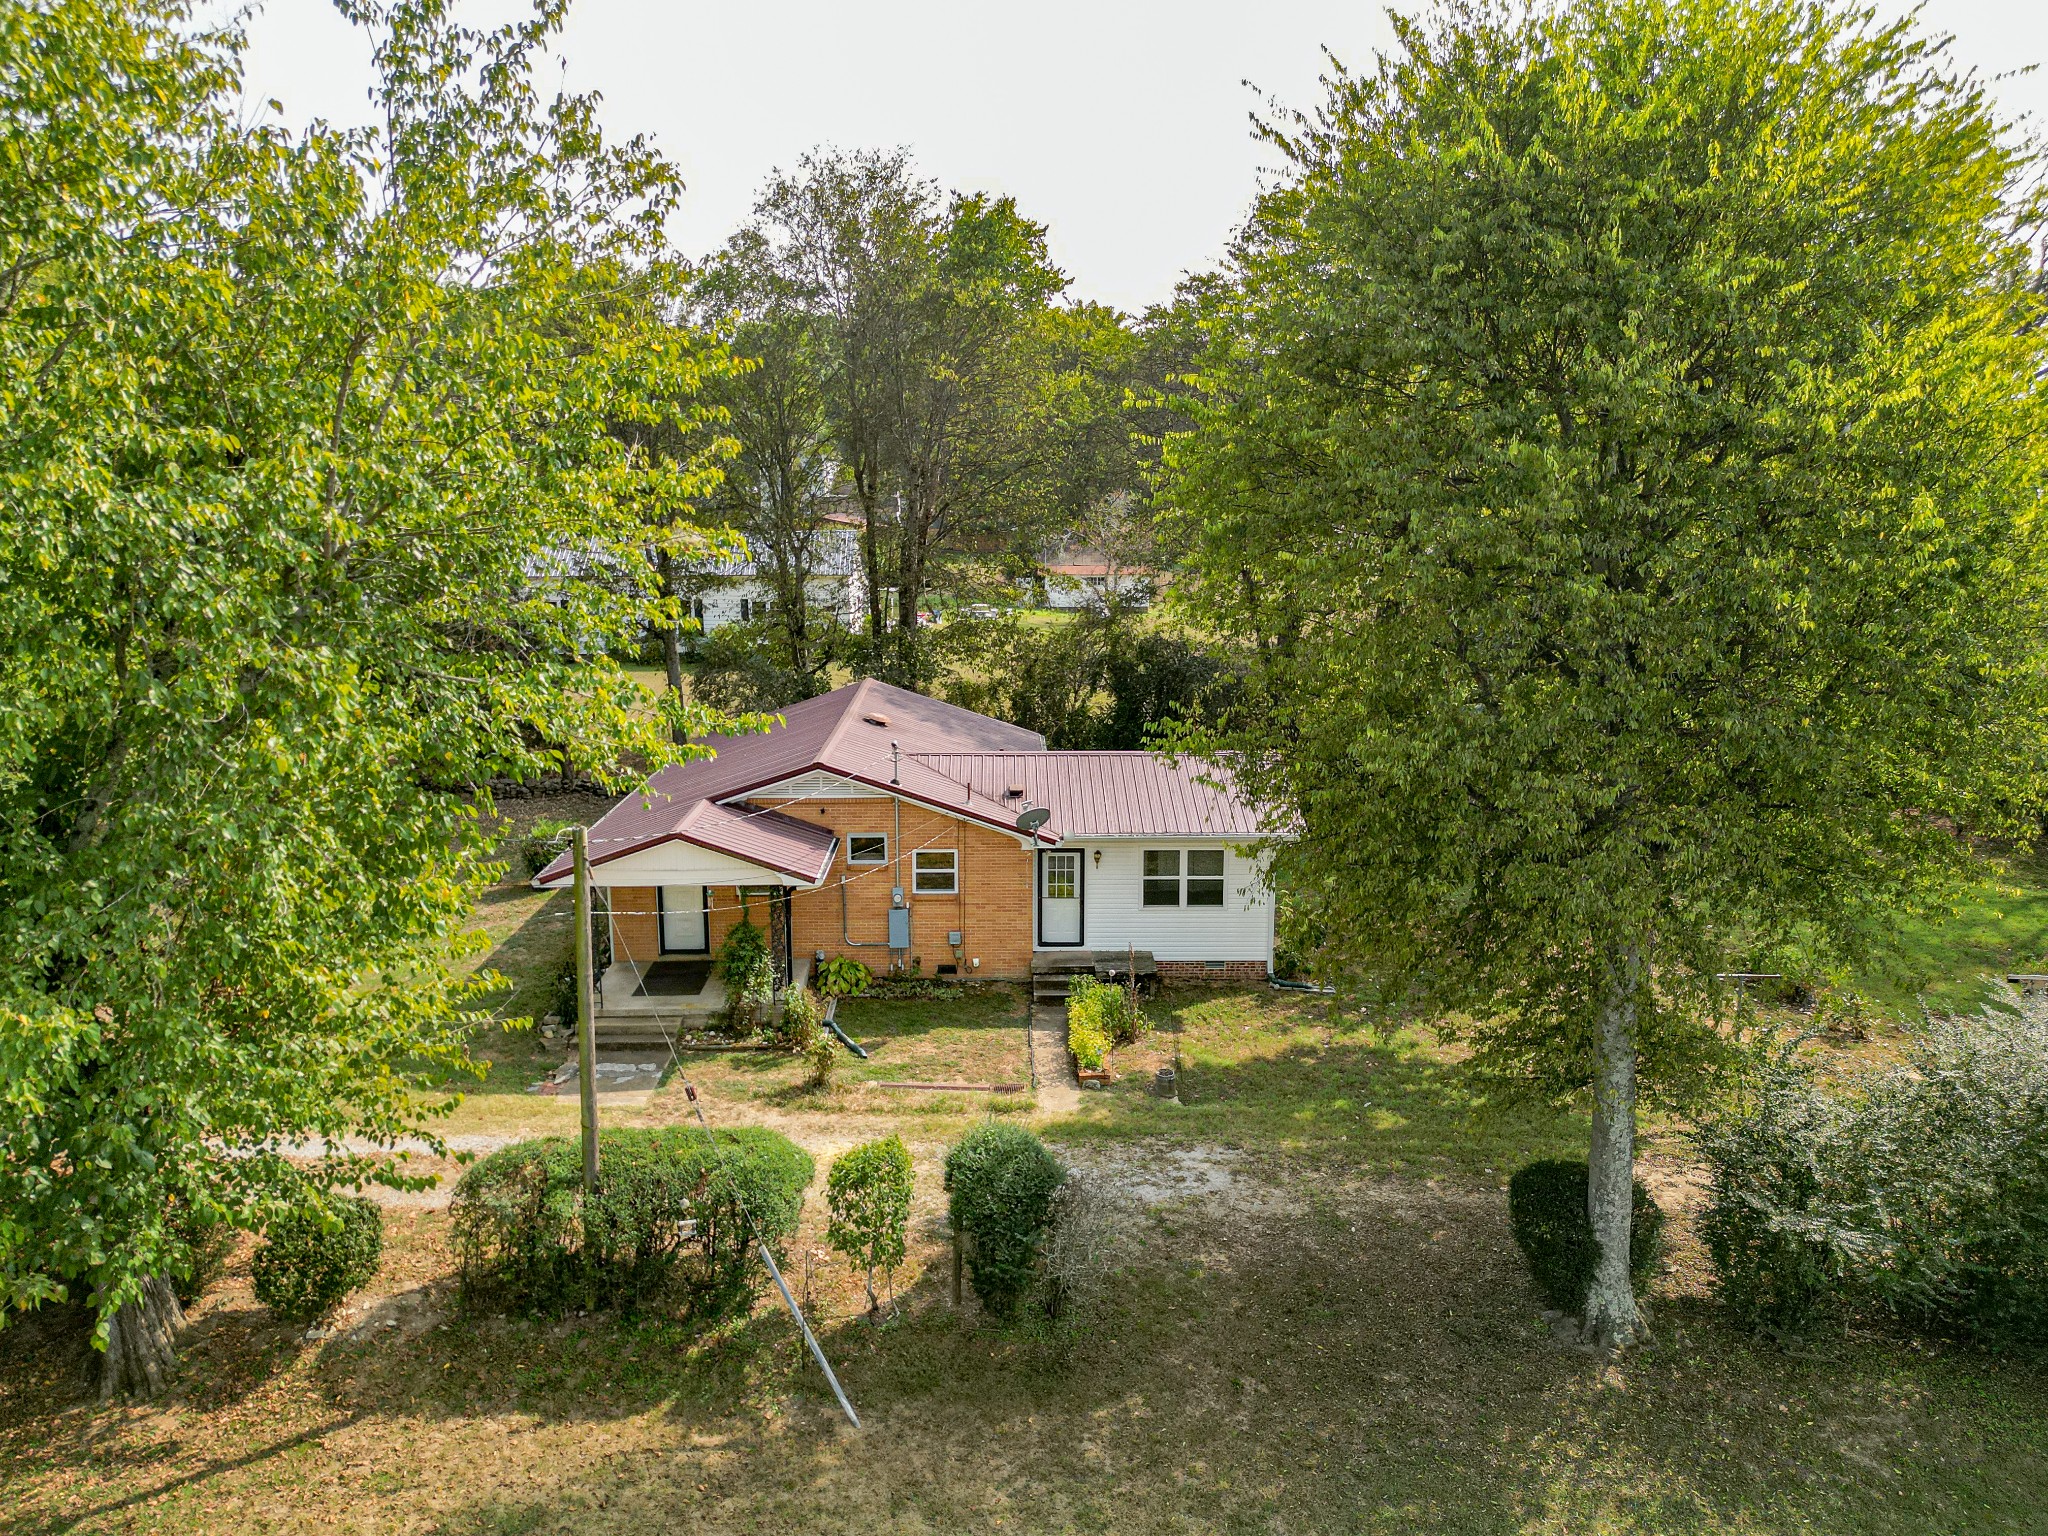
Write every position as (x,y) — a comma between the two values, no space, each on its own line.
(1241,928)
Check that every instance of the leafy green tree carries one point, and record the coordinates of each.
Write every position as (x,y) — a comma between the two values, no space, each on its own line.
(313,512)
(934,314)
(868,1191)
(1620,466)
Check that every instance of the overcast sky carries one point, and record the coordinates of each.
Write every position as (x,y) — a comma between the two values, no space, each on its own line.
(1121,124)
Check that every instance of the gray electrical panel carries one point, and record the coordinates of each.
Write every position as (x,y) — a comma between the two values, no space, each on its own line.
(899,927)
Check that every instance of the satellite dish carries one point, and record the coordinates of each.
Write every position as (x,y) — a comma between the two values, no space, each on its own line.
(1033,819)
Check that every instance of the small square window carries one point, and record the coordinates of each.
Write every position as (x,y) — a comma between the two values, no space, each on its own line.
(1205,877)
(867,848)
(935,872)
(1162,877)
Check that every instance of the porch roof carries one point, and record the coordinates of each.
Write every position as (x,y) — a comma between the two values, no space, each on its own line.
(653,837)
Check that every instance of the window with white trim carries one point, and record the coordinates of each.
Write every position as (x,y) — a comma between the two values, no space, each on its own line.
(1176,877)
(935,871)
(1162,877)
(867,848)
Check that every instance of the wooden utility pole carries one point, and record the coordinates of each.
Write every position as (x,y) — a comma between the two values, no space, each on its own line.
(586,1014)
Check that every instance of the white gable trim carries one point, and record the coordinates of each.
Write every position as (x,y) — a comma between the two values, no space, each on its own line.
(676,862)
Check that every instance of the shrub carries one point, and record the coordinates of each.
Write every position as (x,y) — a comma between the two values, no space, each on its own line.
(1001,1179)
(844,977)
(205,1242)
(562,995)
(869,1192)
(544,843)
(1547,1210)
(825,1059)
(669,1221)
(312,1258)
(1098,1017)
(802,1020)
(747,970)
(1917,1191)
(1074,1263)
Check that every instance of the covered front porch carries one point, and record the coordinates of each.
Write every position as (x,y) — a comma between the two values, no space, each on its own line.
(662,912)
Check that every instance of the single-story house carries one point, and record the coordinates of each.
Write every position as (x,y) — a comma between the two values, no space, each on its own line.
(738,590)
(904,832)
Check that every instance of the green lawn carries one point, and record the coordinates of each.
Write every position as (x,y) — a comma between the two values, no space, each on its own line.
(1323,1327)
(1949,958)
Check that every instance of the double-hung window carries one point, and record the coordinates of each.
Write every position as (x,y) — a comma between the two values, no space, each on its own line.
(935,871)
(867,848)
(1177,877)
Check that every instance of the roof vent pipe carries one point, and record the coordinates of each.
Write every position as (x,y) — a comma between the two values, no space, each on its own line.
(895,763)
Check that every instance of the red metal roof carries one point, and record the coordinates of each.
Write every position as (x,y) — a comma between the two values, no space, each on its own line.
(952,760)
(1109,794)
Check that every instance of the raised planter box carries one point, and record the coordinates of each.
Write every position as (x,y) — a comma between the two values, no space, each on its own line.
(1086,1075)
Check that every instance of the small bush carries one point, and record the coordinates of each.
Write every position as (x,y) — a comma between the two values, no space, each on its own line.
(1099,1017)
(562,995)
(802,1020)
(543,844)
(205,1241)
(1086,1038)
(668,1223)
(844,977)
(748,971)
(825,1058)
(311,1259)
(1074,1263)
(1547,1210)
(869,1192)
(1001,1179)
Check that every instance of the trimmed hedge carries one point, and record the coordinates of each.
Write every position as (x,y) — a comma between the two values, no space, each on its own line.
(1001,1179)
(1547,1209)
(311,1259)
(667,1224)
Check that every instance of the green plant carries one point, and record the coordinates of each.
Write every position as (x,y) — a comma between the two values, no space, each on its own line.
(1098,1017)
(1116,1011)
(206,1241)
(825,1060)
(1547,1211)
(802,1019)
(748,971)
(1001,1179)
(313,1257)
(673,1220)
(562,995)
(545,841)
(842,976)
(1917,1190)
(868,1191)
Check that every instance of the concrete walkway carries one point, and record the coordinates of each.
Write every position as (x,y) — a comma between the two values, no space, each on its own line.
(1052,1069)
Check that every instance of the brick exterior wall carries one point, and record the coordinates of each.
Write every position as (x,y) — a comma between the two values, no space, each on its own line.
(636,930)
(991,911)
(1181,973)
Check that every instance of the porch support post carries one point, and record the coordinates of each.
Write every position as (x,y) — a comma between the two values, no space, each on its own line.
(586,1014)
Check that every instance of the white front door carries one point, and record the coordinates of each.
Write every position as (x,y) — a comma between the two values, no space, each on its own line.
(682,920)
(1059,897)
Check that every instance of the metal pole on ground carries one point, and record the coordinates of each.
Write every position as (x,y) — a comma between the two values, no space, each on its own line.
(586,1013)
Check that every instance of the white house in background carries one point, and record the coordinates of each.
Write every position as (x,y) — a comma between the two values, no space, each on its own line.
(737,591)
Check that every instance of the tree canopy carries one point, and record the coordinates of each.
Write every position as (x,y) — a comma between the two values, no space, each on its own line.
(1619,467)
(314,513)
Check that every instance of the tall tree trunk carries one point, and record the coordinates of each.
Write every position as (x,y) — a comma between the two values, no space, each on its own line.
(672,663)
(672,648)
(142,1343)
(1611,1316)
